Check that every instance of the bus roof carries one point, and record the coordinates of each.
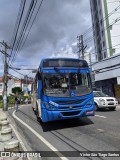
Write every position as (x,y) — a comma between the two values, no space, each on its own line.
(63,62)
(61,59)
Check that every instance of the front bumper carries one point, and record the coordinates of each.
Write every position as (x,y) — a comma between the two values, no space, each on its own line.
(59,115)
(107,104)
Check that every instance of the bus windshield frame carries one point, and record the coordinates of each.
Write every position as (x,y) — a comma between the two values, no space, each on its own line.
(66,84)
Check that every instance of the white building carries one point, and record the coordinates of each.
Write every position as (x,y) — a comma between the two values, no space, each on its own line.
(105,19)
(107,75)
(14,83)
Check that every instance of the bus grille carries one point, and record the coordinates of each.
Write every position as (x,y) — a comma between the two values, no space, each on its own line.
(70,113)
(69,102)
(70,107)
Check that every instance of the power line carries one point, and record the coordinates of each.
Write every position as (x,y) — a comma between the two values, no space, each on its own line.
(113,23)
(22,68)
(24,27)
(17,71)
(14,76)
(89,40)
(112,12)
(17,26)
(88,30)
(26,24)
(27,65)
(17,21)
(31,26)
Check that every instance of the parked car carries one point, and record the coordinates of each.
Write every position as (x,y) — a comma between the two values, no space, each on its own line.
(104,101)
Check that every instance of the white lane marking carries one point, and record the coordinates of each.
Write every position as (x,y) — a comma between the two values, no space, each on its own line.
(40,137)
(100,130)
(100,116)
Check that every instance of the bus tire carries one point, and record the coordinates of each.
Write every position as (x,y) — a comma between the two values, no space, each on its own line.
(39,119)
(37,114)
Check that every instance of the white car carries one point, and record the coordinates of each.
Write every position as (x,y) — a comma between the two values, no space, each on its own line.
(104,101)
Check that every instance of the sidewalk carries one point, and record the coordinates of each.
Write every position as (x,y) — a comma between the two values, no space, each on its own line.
(118,106)
(2,116)
(10,141)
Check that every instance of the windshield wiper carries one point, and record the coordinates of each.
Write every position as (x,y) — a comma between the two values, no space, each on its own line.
(58,71)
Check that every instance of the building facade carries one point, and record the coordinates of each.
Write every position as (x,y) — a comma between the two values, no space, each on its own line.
(107,76)
(14,83)
(105,23)
(106,33)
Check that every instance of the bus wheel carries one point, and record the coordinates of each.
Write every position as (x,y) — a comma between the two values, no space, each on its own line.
(38,118)
(35,111)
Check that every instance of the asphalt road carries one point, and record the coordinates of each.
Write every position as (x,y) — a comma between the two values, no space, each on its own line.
(98,133)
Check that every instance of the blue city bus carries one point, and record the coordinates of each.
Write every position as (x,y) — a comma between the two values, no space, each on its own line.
(63,90)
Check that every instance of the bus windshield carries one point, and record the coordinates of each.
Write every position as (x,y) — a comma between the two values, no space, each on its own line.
(66,85)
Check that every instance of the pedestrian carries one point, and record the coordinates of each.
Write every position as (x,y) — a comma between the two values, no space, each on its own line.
(16,103)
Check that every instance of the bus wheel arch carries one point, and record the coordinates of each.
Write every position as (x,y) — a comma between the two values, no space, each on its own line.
(38,114)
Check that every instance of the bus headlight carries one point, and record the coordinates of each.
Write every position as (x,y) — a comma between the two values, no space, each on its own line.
(50,107)
(89,103)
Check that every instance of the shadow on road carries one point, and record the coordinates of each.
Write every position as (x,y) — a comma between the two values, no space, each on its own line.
(105,110)
(55,125)
(61,124)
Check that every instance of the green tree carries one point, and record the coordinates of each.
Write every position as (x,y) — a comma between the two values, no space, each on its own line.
(1,98)
(16,90)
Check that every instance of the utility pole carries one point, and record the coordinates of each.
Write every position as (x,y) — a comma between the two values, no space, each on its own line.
(5,107)
(90,61)
(81,47)
(26,78)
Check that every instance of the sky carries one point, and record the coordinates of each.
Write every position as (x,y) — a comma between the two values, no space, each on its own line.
(53,34)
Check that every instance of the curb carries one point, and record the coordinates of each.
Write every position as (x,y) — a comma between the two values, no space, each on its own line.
(10,143)
(22,146)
